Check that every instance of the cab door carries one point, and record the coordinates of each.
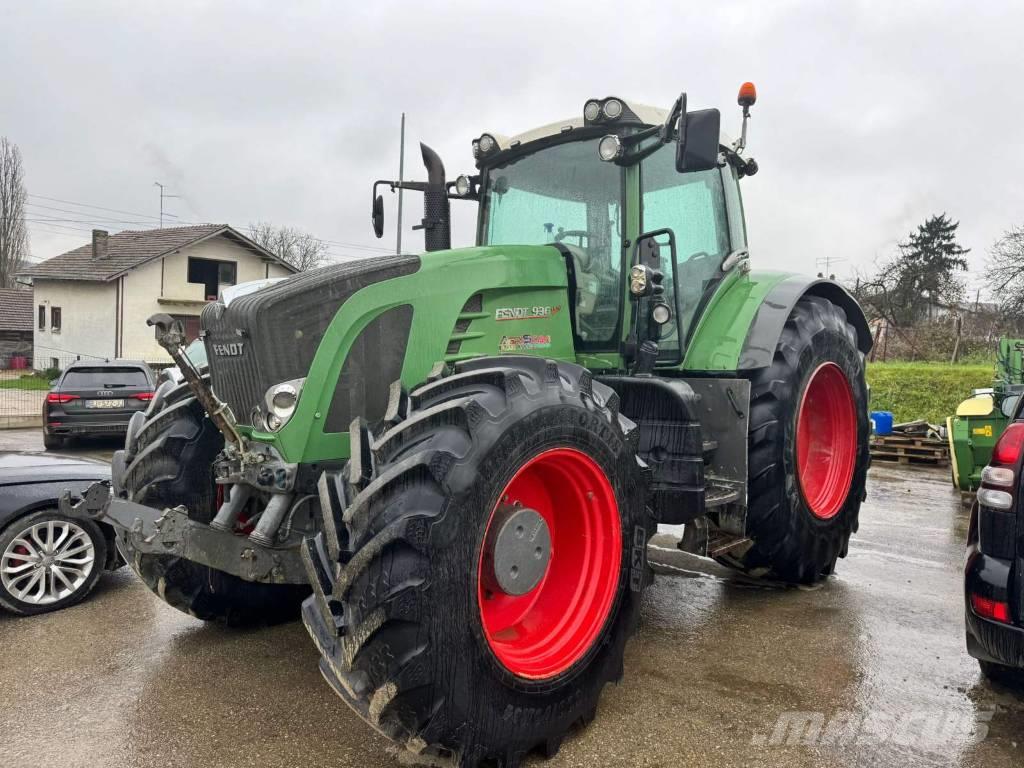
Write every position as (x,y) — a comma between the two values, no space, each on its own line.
(693,205)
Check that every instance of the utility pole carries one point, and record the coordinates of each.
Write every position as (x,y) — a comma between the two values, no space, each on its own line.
(162,196)
(401,178)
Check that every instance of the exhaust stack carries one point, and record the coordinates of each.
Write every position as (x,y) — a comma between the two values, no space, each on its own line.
(436,225)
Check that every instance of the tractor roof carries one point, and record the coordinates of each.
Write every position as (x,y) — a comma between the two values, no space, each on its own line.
(647,115)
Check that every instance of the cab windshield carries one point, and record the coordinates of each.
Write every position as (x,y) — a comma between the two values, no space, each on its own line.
(564,194)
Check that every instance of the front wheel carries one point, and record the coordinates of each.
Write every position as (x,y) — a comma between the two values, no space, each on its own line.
(808,447)
(492,557)
(49,562)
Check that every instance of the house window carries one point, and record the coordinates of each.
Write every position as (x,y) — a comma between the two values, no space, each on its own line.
(55,319)
(212,274)
(42,317)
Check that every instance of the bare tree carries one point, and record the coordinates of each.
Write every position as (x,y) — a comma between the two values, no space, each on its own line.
(13,232)
(298,248)
(1004,273)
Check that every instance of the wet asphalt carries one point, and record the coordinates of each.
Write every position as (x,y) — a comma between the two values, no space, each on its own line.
(124,680)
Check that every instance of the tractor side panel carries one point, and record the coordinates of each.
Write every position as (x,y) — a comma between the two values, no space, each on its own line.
(459,304)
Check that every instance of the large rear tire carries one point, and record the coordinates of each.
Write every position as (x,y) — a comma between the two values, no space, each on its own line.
(422,627)
(167,461)
(808,447)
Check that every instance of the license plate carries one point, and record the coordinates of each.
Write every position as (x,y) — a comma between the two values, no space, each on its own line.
(104,403)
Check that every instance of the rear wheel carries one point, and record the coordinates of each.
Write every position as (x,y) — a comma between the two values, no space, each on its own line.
(482,562)
(53,442)
(167,461)
(808,447)
(999,673)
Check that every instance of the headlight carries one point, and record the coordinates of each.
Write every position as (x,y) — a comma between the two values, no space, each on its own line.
(609,148)
(612,109)
(592,110)
(661,314)
(463,186)
(487,144)
(638,280)
(279,403)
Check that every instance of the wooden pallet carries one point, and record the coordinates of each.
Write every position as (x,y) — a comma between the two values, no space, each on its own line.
(910,449)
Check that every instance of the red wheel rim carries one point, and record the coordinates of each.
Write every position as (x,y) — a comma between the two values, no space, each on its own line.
(542,633)
(826,440)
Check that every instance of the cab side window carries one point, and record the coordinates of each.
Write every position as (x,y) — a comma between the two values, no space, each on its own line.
(692,205)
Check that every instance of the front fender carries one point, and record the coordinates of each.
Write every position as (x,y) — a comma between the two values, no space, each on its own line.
(743,321)
(765,331)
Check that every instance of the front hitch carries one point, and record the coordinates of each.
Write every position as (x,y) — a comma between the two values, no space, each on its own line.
(171,532)
(170,334)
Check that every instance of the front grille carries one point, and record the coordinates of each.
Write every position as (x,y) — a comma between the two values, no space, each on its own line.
(272,335)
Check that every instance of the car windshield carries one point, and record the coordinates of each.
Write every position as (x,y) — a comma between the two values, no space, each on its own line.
(104,377)
(565,194)
(196,352)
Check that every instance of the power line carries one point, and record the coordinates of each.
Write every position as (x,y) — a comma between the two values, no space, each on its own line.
(82,213)
(67,223)
(97,207)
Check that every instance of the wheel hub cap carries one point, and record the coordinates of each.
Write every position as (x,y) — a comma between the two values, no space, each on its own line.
(520,548)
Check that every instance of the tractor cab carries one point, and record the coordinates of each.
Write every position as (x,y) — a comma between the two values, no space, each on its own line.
(643,203)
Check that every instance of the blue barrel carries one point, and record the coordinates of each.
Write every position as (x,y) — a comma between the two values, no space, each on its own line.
(881,421)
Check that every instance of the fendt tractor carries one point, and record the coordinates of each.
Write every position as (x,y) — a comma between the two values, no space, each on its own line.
(455,460)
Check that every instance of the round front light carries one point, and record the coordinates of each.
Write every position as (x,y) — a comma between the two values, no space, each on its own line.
(463,186)
(487,143)
(591,110)
(612,109)
(284,398)
(273,422)
(609,148)
(660,314)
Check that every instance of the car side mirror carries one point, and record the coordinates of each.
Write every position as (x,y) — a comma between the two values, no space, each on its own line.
(697,140)
(1009,405)
(53,382)
(378,216)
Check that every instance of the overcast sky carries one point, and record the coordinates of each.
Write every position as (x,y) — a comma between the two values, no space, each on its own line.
(871,115)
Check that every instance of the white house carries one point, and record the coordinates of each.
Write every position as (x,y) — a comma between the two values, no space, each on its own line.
(93,301)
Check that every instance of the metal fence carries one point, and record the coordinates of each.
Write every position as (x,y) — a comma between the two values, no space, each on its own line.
(25,382)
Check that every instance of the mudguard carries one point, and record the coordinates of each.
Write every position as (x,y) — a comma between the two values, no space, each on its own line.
(743,320)
(759,346)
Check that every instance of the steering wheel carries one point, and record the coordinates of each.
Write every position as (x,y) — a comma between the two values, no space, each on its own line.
(580,233)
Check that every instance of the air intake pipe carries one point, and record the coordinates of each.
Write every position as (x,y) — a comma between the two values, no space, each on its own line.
(436,225)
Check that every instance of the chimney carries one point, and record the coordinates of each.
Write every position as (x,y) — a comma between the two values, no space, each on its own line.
(99,243)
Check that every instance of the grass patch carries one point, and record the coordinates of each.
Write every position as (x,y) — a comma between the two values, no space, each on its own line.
(928,391)
(33,383)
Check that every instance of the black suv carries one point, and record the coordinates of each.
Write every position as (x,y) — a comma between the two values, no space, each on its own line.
(994,576)
(95,398)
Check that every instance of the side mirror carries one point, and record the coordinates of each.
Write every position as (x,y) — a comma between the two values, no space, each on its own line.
(1009,405)
(53,382)
(697,141)
(378,216)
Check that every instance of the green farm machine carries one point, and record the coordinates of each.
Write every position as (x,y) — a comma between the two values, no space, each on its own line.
(454,461)
(980,419)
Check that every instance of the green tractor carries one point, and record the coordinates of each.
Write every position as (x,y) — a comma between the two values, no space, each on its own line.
(460,456)
(980,419)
